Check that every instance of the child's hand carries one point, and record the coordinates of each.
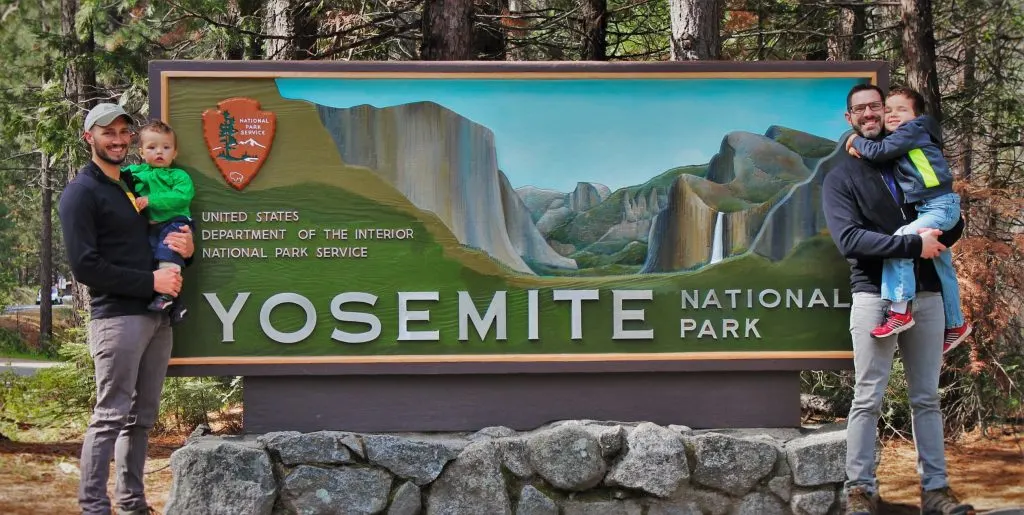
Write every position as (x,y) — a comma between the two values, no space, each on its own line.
(849,142)
(141,202)
(853,152)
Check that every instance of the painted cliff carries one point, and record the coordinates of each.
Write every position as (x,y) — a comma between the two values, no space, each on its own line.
(761,186)
(799,216)
(598,228)
(445,164)
(523,233)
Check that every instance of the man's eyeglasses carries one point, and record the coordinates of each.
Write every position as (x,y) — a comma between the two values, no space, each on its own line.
(860,108)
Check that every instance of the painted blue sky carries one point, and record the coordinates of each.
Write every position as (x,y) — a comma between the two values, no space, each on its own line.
(555,133)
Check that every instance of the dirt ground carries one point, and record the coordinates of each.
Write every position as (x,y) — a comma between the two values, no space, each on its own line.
(988,472)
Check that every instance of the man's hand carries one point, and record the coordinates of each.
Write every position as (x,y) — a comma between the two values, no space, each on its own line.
(181,242)
(141,202)
(930,245)
(167,281)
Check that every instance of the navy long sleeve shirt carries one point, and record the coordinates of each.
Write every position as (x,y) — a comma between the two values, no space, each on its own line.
(107,243)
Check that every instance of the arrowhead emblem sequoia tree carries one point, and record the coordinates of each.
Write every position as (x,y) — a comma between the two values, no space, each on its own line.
(238,135)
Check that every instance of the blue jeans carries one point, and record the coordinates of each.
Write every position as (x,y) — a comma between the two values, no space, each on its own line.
(898,281)
(157,234)
(921,350)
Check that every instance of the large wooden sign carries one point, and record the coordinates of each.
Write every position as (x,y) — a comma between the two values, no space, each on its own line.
(509,217)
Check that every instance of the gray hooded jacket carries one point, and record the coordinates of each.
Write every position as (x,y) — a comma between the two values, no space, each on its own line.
(921,170)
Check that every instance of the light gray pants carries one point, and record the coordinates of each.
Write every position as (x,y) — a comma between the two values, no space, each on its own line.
(921,349)
(131,355)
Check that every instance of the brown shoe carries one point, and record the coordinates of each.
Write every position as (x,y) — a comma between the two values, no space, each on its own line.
(148,510)
(943,502)
(859,501)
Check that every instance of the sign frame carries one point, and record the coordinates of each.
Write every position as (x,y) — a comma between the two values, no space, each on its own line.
(769,378)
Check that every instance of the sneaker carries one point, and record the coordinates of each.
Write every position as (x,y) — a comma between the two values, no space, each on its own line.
(893,323)
(859,501)
(955,336)
(141,511)
(161,303)
(943,502)
(178,312)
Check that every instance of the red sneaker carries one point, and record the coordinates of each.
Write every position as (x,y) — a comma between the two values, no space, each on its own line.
(955,336)
(894,323)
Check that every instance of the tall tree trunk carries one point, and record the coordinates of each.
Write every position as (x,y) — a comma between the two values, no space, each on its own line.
(594,15)
(847,40)
(447,30)
(964,163)
(46,257)
(248,47)
(696,29)
(80,73)
(919,52)
(293,21)
(81,93)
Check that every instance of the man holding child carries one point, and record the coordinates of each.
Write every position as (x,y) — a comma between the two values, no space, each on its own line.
(865,210)
(108,246)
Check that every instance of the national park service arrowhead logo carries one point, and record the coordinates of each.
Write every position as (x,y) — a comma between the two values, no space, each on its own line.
(238,135)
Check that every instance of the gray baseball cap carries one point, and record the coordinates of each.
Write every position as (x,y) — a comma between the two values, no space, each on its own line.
(105,114)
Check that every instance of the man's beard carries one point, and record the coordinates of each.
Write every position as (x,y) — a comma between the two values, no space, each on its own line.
(104,156)
(873,133)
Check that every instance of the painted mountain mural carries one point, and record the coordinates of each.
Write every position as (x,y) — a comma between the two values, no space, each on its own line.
(759,194)
(445,164)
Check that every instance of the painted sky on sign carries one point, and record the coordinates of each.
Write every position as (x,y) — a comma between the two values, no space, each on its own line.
(555,133)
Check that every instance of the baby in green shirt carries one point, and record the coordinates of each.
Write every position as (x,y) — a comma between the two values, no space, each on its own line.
(163,195)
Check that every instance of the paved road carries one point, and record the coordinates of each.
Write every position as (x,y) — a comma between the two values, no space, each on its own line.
(23,367)
(17,309)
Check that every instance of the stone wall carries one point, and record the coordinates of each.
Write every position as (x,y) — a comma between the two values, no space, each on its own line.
(570,467)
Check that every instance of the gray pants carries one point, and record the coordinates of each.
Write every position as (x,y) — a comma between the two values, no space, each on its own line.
(131,355)
(921,348)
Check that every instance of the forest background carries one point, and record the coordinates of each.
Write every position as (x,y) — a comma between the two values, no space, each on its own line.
(61,57)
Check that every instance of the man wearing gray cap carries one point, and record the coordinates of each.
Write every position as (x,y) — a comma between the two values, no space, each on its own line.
(107,242)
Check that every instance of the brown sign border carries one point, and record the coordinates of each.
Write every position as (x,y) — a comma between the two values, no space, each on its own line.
(161,73)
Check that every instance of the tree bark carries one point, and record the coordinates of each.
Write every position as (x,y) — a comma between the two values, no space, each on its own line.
(964,162)
(919,52)
(81,92)
(847,41)
(292,20)
(80,73)
(447,30)
(250,47)
(46,257)
(696,29)
(594,15)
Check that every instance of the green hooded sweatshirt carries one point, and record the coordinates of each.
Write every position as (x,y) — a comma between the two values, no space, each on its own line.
(170,191)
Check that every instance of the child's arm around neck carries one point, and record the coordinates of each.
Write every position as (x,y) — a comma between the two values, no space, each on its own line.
(912,134)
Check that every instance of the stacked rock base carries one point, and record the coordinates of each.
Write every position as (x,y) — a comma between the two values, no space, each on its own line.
(569,467)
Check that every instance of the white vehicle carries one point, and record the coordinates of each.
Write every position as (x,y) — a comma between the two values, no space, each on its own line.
(55,297)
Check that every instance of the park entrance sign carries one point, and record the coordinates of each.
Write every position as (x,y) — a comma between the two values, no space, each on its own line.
(386,246)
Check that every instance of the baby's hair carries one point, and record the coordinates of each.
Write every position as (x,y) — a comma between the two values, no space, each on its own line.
(915,98)
(157,127)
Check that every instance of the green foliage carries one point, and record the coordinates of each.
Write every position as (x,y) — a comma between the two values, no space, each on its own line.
(11,344)
(61,397)
(188,401)
(836,387)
